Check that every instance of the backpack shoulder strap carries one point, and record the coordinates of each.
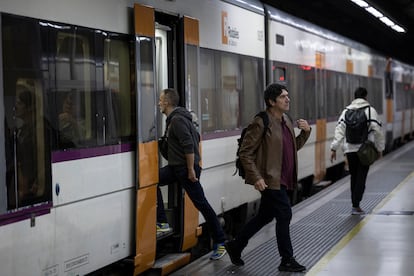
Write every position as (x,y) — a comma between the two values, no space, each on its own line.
(369,112)
(265,118)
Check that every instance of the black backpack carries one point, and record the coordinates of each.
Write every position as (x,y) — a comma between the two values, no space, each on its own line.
(239,167)
(356,122)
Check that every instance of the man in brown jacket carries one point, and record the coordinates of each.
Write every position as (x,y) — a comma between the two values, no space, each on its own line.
(270,163)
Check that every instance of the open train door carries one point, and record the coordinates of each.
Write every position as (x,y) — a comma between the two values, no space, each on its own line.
(389,106)
(147,146)
(321,123)
(176,55)
(191,54)
(168,252)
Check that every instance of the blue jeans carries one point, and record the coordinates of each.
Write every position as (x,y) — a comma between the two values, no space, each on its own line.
(171,174)
(359,175)
(273,204)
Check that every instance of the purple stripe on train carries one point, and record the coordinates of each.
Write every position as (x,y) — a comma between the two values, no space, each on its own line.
(25,213)
(67,155)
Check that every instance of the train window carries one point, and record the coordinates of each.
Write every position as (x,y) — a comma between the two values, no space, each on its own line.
(300,81)
(411,99)
(375,96)
(65,87)
(192,78)
(119,97)
(93,105)
(27,131)
(31,142)
(74,87)
(228,99)
(231,90)
(251,91)
(336,93)
(401,96)
(148,127)
(208,90)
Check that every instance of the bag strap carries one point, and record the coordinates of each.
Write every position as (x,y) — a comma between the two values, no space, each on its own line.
(265,118)
(166,130)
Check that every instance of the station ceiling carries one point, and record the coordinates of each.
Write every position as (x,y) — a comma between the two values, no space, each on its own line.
(346,18)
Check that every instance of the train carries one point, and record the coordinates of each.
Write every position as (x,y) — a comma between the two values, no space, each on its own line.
(79,87)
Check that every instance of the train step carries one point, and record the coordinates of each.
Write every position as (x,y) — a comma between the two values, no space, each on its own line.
(171,262)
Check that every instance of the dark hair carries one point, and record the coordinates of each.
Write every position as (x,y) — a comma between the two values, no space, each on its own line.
(360,92)
(273,91)
(172,96)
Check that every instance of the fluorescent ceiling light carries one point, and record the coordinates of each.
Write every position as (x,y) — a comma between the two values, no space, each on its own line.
(398,29)
(379,15)
(360,3)
(387,21)
(374,12)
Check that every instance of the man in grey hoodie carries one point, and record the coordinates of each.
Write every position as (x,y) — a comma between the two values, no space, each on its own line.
(357,170)
(183,166)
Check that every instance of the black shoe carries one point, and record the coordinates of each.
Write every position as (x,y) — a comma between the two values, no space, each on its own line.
(291,265)
(234,253)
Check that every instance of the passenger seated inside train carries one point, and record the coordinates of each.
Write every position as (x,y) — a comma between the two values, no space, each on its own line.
(69,125)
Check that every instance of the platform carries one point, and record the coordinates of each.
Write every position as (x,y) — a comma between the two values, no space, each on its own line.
(328,240)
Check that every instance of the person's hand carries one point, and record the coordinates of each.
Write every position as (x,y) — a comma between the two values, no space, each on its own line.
(260,185)
(303,124)
(333,155)
(192,175)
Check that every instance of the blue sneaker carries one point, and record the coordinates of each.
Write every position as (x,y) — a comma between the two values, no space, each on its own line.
(163,227)
(218,251)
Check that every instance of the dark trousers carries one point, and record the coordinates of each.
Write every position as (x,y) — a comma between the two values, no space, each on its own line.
(273,204)
(358,174)
(171,174)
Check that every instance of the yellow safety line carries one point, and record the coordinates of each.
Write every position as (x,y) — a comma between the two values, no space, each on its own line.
(322,263)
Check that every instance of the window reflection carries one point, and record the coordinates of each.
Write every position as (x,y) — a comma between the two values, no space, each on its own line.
(93,109)
(300,81)
(64,88)
(147,87)
(231,90)
(71,124)
(120,98)
(27,132)
(75,84)
(26,147)
(28,150)
(304,90)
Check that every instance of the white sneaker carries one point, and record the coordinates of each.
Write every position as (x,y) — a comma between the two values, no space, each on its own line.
(357,211)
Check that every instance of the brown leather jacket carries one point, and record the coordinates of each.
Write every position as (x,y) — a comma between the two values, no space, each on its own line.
(261,156)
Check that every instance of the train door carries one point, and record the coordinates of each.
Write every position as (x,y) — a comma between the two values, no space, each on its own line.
(389,106)
(166,57)
(321,115)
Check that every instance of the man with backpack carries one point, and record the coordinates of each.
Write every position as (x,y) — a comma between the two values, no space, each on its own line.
(183,167)
(269,159)
(358,122)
